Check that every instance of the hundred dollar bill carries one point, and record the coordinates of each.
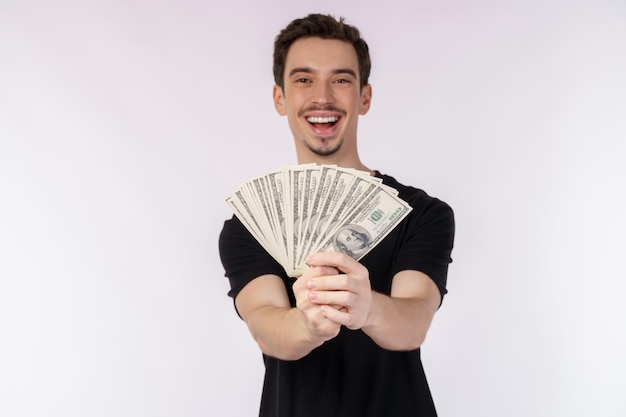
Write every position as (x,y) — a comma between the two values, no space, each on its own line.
(338,189)
(248,218)
(367,224)
(311,177)
(301,209)
(360,187)
(323,184)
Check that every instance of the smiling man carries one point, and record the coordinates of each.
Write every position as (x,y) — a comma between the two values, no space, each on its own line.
(343,339)
(321,94)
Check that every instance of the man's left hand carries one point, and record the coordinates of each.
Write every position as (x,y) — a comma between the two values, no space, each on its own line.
(349,292)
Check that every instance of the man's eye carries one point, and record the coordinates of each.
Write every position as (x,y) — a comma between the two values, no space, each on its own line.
(302,80)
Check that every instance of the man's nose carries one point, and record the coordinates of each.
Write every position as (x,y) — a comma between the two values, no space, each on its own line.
(323,93)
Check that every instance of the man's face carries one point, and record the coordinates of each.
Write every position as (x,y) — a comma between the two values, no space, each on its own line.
(322,97)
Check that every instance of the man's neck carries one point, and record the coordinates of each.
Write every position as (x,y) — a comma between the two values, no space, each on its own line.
(354,163)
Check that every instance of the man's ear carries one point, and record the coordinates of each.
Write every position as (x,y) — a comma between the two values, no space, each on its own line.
(366,99)
(279,100)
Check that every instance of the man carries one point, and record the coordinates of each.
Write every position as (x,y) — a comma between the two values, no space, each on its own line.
(342,339)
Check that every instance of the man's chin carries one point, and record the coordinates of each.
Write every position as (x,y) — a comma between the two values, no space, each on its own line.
(325,149)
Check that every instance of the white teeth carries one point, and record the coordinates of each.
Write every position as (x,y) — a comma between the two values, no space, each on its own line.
(330,119)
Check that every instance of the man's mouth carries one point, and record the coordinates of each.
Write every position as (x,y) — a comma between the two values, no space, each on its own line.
(322,122)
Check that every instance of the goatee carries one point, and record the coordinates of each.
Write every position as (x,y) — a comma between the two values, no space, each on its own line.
(321,151)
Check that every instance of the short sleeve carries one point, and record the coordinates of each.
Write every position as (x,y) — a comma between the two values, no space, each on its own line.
(428,240)
(243,258)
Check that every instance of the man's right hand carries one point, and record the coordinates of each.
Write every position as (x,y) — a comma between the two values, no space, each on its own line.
(317,324)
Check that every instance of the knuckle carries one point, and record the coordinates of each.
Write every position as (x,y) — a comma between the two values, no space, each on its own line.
(350,298)
(344,281)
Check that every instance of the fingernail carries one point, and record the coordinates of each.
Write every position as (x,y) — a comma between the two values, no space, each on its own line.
(310,284)
(312,296)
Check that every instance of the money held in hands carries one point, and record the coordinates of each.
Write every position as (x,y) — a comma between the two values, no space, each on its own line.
(302,209)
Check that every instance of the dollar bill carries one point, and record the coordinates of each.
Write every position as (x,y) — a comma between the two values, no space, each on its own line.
(301,209)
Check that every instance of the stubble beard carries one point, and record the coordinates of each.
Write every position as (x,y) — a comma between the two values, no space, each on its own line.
(323,151)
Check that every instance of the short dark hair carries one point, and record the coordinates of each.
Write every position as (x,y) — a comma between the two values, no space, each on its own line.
(325,27)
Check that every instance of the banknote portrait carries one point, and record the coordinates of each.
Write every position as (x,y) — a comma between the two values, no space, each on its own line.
(353,240)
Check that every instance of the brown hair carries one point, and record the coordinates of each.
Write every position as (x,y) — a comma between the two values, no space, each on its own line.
(325,27)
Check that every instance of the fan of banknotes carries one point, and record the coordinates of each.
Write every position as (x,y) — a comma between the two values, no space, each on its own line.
(302,209)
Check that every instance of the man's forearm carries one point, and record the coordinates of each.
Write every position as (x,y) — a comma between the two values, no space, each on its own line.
(398,323)
(281,332)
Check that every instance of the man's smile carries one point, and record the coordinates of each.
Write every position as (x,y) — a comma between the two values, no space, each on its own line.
(322,120)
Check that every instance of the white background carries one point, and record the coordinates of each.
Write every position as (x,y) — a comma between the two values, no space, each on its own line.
(124,124)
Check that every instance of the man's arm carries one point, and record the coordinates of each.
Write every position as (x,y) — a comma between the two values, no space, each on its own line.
(282,331)
(401,321)
(396,322)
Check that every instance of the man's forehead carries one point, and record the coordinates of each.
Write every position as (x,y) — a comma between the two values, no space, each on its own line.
(316,53)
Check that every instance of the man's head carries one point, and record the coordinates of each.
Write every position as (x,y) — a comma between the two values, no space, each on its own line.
(325,27)
(322,70)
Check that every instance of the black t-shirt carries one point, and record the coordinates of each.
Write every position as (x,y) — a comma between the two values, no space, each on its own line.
(350,375)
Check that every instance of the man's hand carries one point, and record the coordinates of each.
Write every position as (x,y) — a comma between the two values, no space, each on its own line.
(340,287)
(318,324)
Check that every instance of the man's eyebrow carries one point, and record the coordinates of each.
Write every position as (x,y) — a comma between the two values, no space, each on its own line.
(345,71)
(307,70)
